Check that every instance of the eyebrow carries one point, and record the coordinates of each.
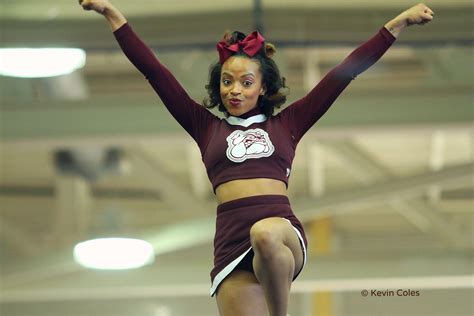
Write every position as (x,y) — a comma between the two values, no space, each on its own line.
(244,75)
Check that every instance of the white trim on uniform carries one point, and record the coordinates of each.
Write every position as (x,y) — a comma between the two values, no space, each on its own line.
(302,244)
(226,271)
(231,266)
(233,120)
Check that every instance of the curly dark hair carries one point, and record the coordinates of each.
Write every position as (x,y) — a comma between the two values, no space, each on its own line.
(274,84)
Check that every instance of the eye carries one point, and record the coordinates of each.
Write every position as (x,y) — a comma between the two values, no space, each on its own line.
(226,82)
(247,83)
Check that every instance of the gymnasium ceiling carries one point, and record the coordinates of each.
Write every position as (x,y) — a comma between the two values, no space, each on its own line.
(390,164)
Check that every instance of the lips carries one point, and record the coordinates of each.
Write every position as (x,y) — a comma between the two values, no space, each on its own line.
(235,102)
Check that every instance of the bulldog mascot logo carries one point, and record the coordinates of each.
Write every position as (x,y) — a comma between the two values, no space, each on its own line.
(252,143)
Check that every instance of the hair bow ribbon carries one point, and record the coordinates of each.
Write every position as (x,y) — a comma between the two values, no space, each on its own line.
(250,45)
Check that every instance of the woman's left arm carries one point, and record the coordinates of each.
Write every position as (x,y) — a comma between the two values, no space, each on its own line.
(302,114)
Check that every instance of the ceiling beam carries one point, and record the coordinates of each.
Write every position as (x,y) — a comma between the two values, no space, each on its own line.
(108,118)
(442,226)
(303,25)
(327,133)
(359,198)
(368,170)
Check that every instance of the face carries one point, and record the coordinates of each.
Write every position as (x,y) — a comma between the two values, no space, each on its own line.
(241,84)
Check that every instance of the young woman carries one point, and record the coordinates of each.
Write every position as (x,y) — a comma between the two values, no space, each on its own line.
(259,245)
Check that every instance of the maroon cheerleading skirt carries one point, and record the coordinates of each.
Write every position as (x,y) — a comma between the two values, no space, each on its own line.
(233,223)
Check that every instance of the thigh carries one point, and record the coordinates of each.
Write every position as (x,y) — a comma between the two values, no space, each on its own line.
(283,231)
(240,294)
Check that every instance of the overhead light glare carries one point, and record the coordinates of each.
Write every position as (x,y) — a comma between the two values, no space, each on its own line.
(40,62)
(114,253)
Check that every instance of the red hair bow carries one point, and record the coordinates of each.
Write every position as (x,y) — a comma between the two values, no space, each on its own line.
(249,45)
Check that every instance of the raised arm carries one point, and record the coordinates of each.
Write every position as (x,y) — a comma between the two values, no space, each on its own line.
(302,114)
(193,117)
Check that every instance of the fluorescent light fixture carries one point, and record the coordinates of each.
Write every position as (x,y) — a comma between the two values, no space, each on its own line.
(40,62)
(114,253)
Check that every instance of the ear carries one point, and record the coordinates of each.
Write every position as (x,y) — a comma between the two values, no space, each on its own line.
(263,90)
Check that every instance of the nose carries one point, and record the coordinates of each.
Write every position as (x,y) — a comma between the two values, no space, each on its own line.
(235,90)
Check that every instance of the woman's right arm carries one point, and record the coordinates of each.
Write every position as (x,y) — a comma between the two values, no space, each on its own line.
(193,117)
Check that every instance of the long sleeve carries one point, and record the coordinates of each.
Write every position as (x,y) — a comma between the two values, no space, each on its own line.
(193,117)
(302,114)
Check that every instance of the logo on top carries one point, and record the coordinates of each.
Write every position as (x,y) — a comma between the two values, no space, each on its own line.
(249,144)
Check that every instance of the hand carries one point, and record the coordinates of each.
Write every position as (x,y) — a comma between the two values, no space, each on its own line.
(98,6)
(104,7)
(419,14)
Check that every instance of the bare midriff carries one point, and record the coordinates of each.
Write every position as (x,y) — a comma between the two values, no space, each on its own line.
(241,188)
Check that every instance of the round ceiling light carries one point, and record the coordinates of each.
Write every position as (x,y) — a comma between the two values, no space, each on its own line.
(40,62)
(114,253)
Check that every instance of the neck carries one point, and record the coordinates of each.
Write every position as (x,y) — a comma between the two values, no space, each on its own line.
(255,111)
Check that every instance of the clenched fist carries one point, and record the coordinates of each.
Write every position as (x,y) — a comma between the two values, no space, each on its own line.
(98,6)
(107,10)
(419,14)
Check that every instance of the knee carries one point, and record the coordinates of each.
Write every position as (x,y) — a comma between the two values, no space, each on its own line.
(264,240)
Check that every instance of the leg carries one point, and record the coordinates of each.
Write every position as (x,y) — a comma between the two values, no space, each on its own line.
(278,257)
(240,294)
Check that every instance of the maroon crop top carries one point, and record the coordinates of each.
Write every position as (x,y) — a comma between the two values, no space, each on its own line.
(253,145)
